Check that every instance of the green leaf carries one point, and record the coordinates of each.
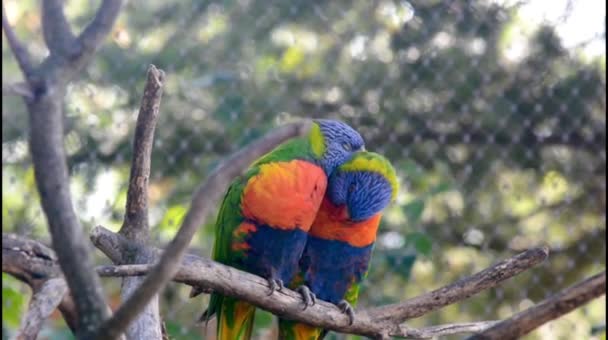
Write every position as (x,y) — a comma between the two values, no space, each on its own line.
(414,210)
(421,242)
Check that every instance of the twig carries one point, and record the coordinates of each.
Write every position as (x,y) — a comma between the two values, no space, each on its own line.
(551,308)
(56,30)
(463,288)
(135,225)
(202,205)
(43,303)
(197,271)
(19,89)
(22,56)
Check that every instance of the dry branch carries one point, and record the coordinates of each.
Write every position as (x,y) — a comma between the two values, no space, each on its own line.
(43,303)
(34,264)
(24,60)
(202,205)
(135,224)
(19,89)
(461,289)
(48,82)
(56,30)
(549,309)
(197,271)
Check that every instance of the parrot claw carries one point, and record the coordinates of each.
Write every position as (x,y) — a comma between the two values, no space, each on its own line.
(309,297)
(347,309)
(275,285)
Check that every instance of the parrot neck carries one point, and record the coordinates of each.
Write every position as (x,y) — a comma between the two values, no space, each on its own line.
(333,223)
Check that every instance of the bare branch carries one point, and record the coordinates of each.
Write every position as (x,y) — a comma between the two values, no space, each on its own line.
(19,89)
(135,225)
(43,303)
(197,271)
(443,330)
(34,264)
(52,181)
(461,289)
(202,205)
(549,309)
(56,30)
(21,54)
(93,35)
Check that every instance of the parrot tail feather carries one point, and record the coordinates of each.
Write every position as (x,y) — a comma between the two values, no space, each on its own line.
(235,320)
(291,330)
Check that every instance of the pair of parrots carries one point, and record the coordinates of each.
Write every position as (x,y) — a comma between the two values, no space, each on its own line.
(304,215)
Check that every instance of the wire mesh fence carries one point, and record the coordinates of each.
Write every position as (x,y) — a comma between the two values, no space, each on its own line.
(493,113)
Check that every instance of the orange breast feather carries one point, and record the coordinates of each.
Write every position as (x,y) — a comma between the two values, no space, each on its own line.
(332,223)
(285,195)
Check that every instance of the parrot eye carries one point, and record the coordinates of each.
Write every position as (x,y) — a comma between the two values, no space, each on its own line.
(347,146)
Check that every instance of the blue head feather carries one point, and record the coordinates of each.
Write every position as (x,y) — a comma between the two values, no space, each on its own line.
(365,193)
(366,184)
(340,142)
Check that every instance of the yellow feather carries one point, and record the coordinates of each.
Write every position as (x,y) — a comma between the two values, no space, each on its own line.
(317,141)
(371,161)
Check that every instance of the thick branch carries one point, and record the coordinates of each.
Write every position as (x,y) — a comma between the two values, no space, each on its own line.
(93,35)
(286,303)
(43,303)
(48,156)
(202,205)
(135,225)
(69,242)
(549,309)
(56,30)
(22,56)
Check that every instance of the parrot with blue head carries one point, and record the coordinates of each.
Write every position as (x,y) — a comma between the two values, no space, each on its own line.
(267,212)
(341,238)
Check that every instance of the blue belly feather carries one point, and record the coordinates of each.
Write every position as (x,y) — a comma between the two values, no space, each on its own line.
(330,267)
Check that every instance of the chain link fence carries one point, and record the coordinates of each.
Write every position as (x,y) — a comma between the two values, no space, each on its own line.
(493,113)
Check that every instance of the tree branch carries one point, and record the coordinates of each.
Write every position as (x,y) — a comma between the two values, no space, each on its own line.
(34,264)
(461,289)
(135,225)
(19,89)
(373,322)
(24,60)
(56,30)
(202,204)
(43,303)
(551,308)
(48,155)
(93,35)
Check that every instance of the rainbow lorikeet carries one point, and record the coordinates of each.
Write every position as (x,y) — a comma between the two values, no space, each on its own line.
(340,241)
(265,216)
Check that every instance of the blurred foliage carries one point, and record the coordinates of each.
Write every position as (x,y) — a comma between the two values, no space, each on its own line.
(496,151)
